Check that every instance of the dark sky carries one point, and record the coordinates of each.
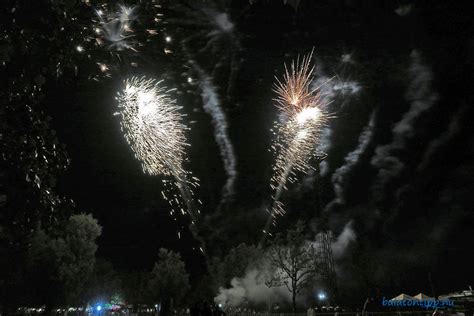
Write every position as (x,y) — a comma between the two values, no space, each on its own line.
(415,219)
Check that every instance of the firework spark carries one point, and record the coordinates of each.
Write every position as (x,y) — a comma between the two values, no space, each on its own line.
(116,35)
(153,127)
(115,28)
(304,115)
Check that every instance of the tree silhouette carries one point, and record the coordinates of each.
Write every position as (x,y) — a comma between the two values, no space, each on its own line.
(169,281)
(295,262)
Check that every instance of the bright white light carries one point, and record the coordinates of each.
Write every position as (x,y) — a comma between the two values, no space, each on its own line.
(152,125)
(114,27)
(145,101)
(98,308)
(302,134)
(321,296)
(79,48)
(308,114)
(126,13)
(168,39)
(302,110)
(103,67)
(220,305)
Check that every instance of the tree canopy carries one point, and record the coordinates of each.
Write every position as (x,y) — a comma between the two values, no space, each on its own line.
(169,279)
(62,264)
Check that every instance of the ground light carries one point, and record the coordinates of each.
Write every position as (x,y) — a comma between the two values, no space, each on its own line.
(322,296)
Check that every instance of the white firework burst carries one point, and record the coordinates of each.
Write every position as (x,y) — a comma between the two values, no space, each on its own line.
(296,138)
(153,127)
(114,29)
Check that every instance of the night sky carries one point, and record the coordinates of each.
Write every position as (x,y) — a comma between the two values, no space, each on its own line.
(407,193)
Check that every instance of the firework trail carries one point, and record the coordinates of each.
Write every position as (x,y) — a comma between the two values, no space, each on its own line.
(296,138)
(152,126)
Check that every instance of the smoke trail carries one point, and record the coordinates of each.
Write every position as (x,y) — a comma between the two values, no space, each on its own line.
(212,107)
(341,175)
(332,88)
(211,33)
(453,129)
(421,98)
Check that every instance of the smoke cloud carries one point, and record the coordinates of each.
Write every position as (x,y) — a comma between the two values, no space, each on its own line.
(454,128)
(251,289)
(343,241)
(341,175)
(421,98)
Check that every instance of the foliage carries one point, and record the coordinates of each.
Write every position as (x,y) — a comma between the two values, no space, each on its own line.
(62,265)
(295,261)
(32,159)
(135,287)
(32,156)
(237,261)
(241,258)
(105,283)
(169,279)
(204,290)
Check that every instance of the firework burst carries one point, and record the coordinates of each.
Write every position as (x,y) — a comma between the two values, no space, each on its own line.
(115,36)
(304,115)
(153,127)
(114,29)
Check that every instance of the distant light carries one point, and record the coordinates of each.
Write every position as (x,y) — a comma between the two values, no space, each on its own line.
(168,39)
(98,308)
(220,305)
(79,48)
(190,79)
(321,296)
